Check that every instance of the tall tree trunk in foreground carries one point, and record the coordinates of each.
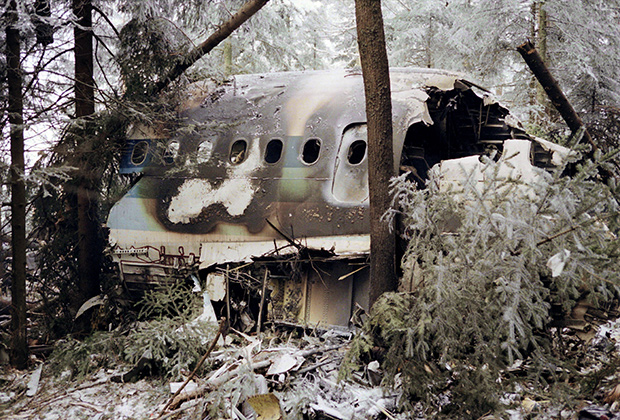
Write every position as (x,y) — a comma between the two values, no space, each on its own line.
(373,56)
(19,345)
(89,244)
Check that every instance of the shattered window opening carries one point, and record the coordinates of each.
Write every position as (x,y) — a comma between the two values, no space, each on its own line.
(172,151)
(357,152)
(238,152)
(311,151)
(140,150)
(273,151)
(541,157)
(205,149)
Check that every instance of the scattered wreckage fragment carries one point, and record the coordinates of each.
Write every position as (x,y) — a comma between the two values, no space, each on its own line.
(265,185)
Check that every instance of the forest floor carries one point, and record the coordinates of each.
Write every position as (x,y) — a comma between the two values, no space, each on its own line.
(299,375)
(276,376)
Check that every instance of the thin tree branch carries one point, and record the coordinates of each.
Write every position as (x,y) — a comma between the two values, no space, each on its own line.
(105,17)
(572,229)
(220,331)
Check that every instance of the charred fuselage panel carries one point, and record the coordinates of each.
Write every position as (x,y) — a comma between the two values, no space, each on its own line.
(266,166)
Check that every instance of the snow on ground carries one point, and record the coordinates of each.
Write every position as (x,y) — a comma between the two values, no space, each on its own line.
(95,398)
(301,375)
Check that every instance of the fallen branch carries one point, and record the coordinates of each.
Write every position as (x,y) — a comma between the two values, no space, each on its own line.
(53,398)
(313,367)
(246,12)
(553,90)
(178,411)
(87,405)
(217,382)
(202,360)
(558,99)
(285,236)
(262,301)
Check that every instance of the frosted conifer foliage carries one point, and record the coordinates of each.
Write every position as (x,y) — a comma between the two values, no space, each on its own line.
(489,265)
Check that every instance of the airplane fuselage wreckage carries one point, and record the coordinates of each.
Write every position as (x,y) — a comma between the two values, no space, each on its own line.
(264,188)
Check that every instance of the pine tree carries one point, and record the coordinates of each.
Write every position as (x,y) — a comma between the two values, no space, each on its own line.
(491,267)
(19,347)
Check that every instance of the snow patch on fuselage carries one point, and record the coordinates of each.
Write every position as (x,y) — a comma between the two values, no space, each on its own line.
(234,193)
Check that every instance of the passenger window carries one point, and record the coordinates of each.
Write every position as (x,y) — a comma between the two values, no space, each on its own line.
(238,152)
(171,152)
(310,153)
(273,151)
(357,152)
(140,150)
(204,151)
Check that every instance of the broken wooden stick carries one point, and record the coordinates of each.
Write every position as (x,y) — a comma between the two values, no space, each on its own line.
(262,301)
(220,331)
(228,294)
(285,236)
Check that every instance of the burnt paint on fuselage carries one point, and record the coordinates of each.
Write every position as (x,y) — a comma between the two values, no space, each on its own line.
(214,198)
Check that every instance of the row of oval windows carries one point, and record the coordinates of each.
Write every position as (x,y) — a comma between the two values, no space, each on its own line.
(238,152)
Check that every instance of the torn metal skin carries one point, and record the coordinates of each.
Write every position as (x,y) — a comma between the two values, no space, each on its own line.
(272,170)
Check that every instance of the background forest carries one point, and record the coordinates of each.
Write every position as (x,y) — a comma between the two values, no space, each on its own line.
(73,138)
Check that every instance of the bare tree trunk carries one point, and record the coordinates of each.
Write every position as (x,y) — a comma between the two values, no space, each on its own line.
(541,44)
(373,56)
(89,245)
(429,43)
(19,345)
(228,58)
(246,12)
(551,86)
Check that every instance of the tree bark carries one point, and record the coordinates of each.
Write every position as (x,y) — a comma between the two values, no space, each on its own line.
(246,12)
(373,56)
(551,86)
(228,58)
(19,345)
(89,245)
(541,43)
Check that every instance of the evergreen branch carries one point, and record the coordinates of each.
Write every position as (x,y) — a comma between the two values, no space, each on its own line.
(220,331)
(178,29)
(105,76)
(572,229)
(596,276)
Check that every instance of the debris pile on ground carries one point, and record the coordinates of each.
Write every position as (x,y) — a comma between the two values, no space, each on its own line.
(293,374)
(291,370)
